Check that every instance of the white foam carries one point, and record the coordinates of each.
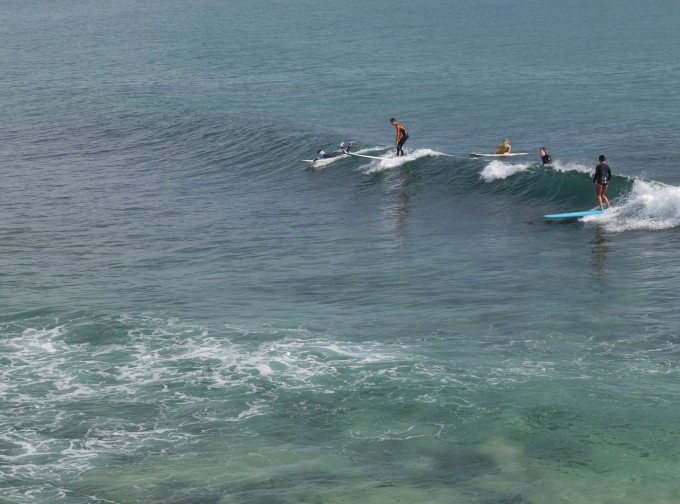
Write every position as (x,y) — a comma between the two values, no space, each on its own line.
(391,160)
(265,369)
(649,206)
(573,167)
(162,363)
(497,170)
(502,169)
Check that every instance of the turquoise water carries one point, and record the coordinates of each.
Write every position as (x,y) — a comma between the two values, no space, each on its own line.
(189,314)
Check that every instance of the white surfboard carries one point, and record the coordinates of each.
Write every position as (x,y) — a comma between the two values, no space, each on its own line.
(364,156)
(478,154)
(320,163)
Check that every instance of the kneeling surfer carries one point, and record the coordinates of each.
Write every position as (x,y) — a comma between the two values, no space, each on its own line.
(504,148)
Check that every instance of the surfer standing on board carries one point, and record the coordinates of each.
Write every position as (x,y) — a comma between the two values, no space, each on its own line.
(320,154)
(601,181)
(402,136)
(504,148)
(545,157)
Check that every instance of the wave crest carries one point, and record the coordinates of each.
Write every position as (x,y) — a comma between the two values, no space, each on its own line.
(649,206)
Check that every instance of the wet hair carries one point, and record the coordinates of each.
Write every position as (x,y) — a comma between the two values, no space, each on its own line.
(393,120)
(602,158)
(542,148)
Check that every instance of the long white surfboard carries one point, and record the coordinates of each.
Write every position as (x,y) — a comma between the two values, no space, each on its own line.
(364,156)
(320,163)
(479,154)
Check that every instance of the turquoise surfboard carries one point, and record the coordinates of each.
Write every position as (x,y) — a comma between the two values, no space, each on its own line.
(573,215)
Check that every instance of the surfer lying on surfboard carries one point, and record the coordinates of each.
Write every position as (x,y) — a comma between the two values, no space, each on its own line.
(340,151)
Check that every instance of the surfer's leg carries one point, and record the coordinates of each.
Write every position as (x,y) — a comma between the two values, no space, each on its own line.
(400,145)
(604,196)
(598,193)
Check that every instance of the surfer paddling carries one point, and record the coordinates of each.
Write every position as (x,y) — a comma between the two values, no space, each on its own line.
(401,138)
(504,148)
(340,151)
(601,181)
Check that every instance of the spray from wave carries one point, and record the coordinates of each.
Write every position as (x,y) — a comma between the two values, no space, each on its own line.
(498,170)
(648,206)
(391,160)
(637,204)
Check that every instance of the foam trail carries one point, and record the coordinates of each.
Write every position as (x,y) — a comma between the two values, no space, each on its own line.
(391,160)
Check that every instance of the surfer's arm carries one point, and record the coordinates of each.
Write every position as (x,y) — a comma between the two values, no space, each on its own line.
(398,137)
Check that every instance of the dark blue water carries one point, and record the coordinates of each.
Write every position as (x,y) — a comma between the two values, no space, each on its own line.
(189,313)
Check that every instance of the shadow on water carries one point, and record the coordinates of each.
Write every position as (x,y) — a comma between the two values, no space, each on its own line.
(507,499)
(285,488)
(600,252)
(401,206)
(551,437)
(453,467)
(400,212)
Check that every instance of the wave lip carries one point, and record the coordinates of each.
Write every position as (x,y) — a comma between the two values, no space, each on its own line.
(496,170)
(501,169)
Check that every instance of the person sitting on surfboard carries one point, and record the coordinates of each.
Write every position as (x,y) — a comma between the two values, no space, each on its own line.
(545,157)
(601,181)
(504,148)
(402,136)
(337,152)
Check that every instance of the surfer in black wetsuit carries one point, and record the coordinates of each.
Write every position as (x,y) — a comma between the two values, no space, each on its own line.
(337,152)
(545,157)
(601,181)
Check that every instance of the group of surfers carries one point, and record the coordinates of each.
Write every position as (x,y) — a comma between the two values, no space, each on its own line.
(402,136)
(603,172)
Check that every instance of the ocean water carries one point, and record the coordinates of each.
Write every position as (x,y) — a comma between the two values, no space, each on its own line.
(190,314)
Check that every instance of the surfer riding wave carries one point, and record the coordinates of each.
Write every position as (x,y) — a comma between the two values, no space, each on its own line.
(603,173)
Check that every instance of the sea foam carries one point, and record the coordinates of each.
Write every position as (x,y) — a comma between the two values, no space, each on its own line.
(649,206)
